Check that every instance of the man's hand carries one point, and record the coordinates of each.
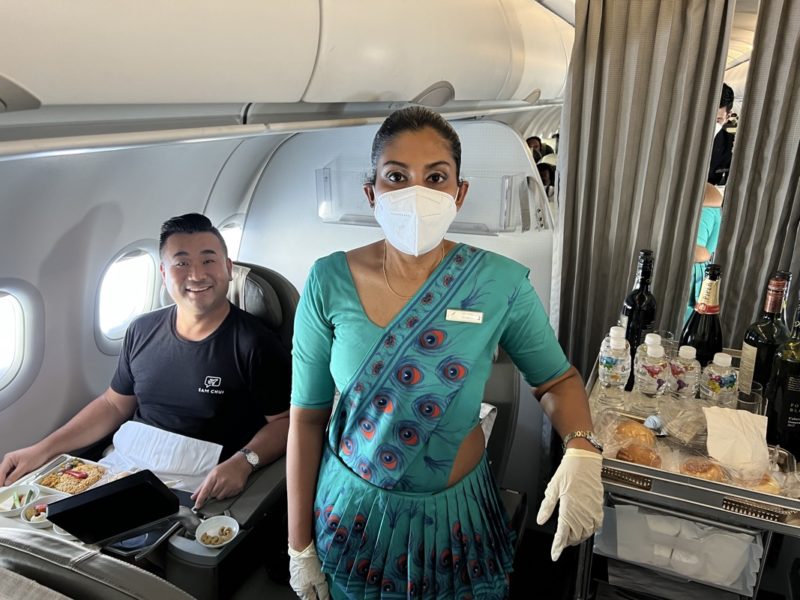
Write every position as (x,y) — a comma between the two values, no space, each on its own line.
(225,480)
(21,462)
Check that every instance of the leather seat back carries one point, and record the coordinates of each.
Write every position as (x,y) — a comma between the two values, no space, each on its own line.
(78,571)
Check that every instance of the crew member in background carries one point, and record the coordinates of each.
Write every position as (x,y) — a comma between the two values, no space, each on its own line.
(537,148)
(706,244)
(201,391)
(722,150)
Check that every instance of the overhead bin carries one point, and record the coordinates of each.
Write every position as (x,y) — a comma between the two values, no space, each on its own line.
(311,51)
(376,51)
(182,51)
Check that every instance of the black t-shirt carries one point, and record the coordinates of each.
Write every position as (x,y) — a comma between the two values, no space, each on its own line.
(217,389)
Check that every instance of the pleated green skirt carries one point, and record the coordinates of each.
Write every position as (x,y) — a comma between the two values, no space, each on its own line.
(377,543)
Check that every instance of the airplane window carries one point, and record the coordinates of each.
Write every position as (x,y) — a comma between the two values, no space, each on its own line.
(126,292)
(11,339)
(232,234)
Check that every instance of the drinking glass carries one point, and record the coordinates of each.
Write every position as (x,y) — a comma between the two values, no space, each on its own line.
(669,343)
(752,402)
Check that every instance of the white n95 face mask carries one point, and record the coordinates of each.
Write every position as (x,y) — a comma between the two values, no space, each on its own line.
(415,218)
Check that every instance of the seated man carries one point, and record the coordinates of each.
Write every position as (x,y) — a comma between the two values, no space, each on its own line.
(201,391)
(537,148)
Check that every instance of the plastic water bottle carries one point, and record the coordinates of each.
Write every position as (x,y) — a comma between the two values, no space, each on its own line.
(685,373)
(651,339)
(615,332)
(651,377)
(718,382)
(614,369)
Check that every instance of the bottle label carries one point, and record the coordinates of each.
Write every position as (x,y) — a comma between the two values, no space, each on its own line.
(793,412)
(708,301)
(747,367)
(722,384)
(681,379)
(651,378)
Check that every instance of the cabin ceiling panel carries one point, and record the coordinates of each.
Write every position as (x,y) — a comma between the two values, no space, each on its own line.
(98,52)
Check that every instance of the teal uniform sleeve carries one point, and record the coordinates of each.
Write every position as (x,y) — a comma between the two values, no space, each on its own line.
(312,383)
(529,340)
(706,227)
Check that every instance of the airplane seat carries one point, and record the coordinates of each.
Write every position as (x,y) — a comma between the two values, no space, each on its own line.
(65,569)
(266,294)
(502,391)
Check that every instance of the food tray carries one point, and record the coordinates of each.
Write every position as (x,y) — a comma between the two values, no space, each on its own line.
(42,478)
(723,502)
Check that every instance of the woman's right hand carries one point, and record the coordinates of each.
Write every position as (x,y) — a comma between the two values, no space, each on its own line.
(305,574)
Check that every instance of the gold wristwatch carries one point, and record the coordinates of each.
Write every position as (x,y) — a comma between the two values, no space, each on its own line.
(586,435)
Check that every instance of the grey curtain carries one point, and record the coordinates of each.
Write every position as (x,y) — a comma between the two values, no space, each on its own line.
(636,135)
(762,201)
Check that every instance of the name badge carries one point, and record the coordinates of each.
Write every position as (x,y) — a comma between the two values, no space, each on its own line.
(464,316)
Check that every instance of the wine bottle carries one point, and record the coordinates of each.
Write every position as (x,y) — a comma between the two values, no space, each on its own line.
(787,275)
(703,330)
(639,308)
(764,336)
(783,393)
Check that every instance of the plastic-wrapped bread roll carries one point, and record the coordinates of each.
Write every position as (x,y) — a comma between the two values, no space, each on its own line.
(632,432)
(765,485)
(641,455)
(704,469)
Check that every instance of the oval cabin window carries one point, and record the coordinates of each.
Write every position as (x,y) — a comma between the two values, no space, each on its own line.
(232,234)
(12,344)
(125,292)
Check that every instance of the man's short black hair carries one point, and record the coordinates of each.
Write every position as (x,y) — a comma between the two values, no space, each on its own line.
(189,223)
(533,137)
(726,98)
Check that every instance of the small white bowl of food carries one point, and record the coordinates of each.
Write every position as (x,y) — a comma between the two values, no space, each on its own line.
(35,513)
(217,531)
(14,498)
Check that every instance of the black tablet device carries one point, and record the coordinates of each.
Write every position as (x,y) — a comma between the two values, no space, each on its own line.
(116,510)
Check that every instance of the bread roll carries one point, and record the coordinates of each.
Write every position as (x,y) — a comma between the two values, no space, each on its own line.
(703,468)
(641,455)
(766,485)
(629,431)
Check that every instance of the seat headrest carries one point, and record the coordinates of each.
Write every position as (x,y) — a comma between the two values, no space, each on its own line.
(251,292)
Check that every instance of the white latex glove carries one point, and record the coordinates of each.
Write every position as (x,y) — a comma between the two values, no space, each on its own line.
(577,485)
(305,574)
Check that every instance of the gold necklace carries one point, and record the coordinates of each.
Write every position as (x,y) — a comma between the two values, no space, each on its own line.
(386,277)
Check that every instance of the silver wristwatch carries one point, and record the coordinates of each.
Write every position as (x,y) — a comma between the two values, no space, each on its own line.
(586,435)
(252,458)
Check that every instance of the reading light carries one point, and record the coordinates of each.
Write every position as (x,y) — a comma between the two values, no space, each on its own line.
(15,97)
(533,97)
(438,94)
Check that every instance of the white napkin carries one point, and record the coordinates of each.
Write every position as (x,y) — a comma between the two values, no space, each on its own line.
(170,456)
(487,416)
(738,439)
